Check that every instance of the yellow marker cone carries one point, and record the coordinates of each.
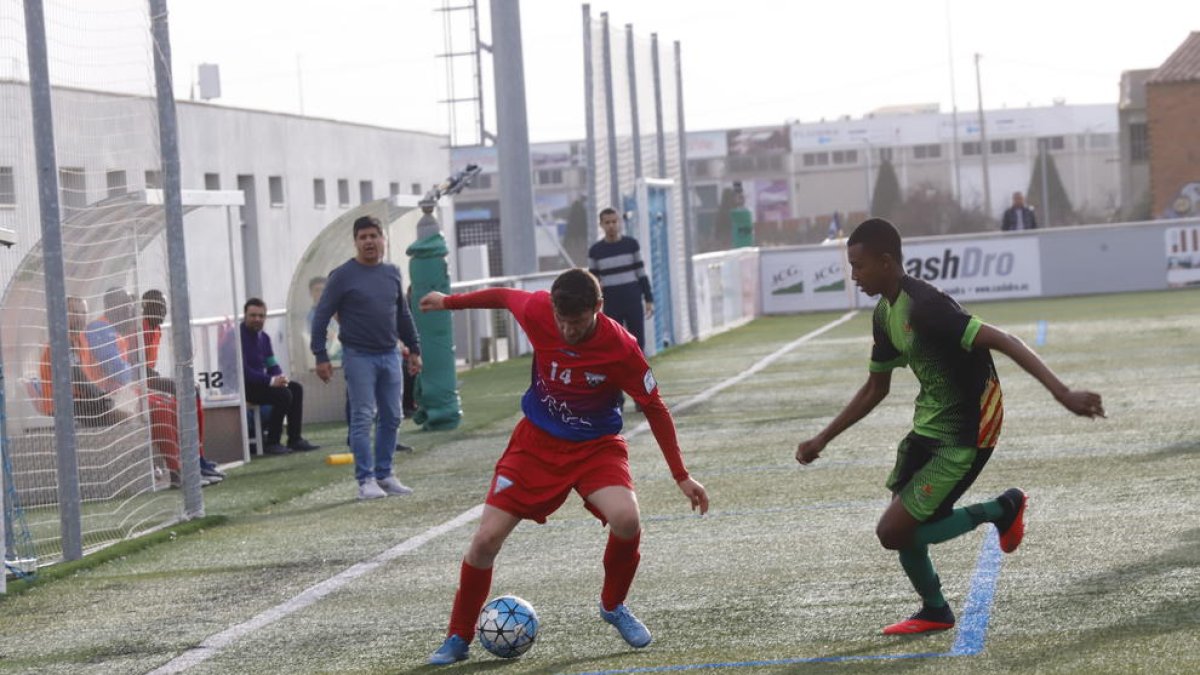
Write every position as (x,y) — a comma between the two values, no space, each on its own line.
(340,458)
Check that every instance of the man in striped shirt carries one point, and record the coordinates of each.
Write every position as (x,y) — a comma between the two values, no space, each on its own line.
(616,260)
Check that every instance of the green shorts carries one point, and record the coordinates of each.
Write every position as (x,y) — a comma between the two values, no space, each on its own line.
(930,475)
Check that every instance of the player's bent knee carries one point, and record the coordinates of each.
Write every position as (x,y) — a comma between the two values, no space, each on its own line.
(892,539)
(625,525)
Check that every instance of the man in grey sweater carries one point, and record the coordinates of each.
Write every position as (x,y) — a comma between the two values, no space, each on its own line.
(367,295)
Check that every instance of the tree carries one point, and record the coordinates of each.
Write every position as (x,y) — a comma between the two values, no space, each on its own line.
(722,233)
(575,241)
(930,210)
(1057,209)
(886,200)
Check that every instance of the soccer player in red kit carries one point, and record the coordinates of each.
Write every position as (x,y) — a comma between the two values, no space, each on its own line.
(568,440)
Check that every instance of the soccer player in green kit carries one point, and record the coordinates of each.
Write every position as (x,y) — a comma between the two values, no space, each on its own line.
(959,412)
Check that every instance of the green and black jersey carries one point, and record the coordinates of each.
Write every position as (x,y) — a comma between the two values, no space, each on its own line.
(960,400)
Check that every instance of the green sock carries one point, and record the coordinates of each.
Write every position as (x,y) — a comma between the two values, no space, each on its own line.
(919,568)
(960,521)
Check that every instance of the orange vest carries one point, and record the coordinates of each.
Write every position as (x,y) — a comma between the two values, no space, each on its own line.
(79,350)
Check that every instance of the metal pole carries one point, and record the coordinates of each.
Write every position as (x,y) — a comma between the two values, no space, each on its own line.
(659,136)
(631,66)
(610,120)
(589,100)
(983,144)
(689,246)
(483,134)
(1044,147)
(512,148)
(868,176)
(7,548)
(181,310)
(953,111)
(237,341)
(69,514)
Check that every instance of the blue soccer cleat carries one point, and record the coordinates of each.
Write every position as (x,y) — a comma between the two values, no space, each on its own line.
(628,625)
(453,650)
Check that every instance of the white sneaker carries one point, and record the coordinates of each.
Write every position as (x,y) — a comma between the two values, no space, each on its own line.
(393,487)
(369,490)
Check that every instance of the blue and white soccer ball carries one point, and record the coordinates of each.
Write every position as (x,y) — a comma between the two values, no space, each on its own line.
(507,626)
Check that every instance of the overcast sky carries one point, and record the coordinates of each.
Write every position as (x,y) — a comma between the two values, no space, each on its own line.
(745,63)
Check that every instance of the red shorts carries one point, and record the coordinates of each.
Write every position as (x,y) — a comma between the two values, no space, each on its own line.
(537,471)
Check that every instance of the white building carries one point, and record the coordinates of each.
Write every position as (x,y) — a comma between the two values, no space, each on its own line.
(297,173)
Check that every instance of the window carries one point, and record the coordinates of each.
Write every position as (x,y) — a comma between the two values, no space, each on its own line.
(549,177)
(1005,146)
(932,151)
(1100,141)
(366,191)
(275,188)
(72,186)
(318,193)
(741,164)
(1139,143)
(816,159)
(707,196)
(972,149)
(1052,142)
(416,188)
(845,157)
(153,180)
(700,168)
(8,187)
(483,181)
(393,189)
(885,154)
(343,192)
(116,183)
(212,181)
(770,163)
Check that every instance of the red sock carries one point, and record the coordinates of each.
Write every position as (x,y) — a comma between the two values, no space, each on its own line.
(473,587)
(621,558)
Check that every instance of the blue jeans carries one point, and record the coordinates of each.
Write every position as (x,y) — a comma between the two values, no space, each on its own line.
(374,382)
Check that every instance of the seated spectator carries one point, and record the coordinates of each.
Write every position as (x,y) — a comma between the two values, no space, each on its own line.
(93,407)
(154,312)
(265,384)
(112,338)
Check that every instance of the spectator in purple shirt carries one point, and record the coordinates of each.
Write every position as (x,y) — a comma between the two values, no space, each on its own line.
(267,385)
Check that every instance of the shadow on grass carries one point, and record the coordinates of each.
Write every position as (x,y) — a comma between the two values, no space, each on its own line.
(1137,622)
(1176,450)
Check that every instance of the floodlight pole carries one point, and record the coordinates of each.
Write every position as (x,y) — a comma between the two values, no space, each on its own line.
(590,114)
(512,141)
(983,143)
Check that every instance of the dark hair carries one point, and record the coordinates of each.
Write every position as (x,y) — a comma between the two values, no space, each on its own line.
(879,237)
(253,302)
(316,280)
(366,222)
(607,210)
(575,291)
(116,297)
(155,299)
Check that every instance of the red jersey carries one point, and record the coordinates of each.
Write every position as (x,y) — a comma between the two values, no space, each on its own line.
(575,389)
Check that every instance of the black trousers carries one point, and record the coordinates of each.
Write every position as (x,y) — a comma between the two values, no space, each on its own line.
(285,402)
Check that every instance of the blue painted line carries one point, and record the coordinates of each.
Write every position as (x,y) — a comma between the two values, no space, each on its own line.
(972,625)
(972,628)
(759,664)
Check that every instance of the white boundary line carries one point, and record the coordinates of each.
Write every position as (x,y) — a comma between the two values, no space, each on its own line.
(214,644)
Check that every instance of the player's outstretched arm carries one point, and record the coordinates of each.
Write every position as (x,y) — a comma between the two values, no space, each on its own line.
(868,396)
(433,301)
(696,494)
(1080,402)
